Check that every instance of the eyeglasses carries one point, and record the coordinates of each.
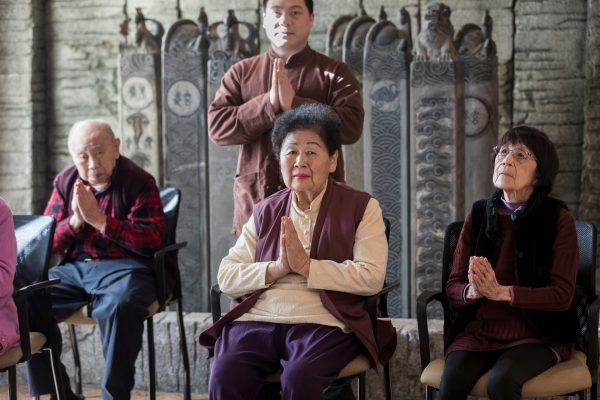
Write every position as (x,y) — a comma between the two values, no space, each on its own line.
(520,154)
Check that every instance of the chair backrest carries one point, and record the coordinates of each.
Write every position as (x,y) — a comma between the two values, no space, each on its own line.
(586,280)
(170,198)
(586,275)
(34,235)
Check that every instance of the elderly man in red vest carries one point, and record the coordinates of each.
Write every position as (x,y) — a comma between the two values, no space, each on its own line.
(109,224)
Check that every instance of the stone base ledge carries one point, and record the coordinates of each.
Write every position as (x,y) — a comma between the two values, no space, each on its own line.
(405,365)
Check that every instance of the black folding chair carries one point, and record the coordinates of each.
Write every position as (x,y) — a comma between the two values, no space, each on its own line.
(165,261)
(573,376)
(34,234)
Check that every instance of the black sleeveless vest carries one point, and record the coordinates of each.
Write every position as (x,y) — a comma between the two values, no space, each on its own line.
(534,226)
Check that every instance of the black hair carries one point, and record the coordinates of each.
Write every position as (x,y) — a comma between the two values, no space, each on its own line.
(542,148)
(309,4)
(316,117)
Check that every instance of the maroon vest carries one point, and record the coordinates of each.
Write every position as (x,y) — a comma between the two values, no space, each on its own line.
(127,182)
(340,214)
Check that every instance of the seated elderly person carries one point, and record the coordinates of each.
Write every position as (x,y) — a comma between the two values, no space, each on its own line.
(9,325)
(300,270)
(513,279)
(109,224)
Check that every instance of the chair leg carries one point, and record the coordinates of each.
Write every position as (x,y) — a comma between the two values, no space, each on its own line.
(187,390)
(56,374)
(151,359)
(362,386)
(388,381)
(12,383)
(76,359)
(428,393)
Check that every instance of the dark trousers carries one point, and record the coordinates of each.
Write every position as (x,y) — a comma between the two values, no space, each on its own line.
(118,293)
(509,370)
(309,355)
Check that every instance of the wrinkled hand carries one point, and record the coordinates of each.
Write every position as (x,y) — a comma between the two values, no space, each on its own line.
(285,90)
(274,91)
(484,277)
(279,268)
(76,220)
(87,205)
(472,292)
(297,258)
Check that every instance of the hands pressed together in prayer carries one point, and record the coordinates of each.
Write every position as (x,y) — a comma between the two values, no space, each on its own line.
(85,208)
(282,93)
(483,283)
(292,256)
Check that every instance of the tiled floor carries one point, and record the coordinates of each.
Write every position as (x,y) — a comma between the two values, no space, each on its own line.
(94,394)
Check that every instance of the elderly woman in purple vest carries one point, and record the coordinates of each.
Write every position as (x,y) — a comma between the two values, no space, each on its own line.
(9,325)
(513,277)
(300,270)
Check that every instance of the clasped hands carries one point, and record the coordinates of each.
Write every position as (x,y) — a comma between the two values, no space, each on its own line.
(85,208)
(483,283)
(292,256)
(281,94)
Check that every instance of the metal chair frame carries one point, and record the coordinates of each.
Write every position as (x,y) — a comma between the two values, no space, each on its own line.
(586,285)
(374,303)
(171,199)
(34,235)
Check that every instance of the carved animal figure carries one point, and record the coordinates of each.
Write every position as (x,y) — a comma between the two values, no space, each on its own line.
(435,42)
(143,37)
(474,40)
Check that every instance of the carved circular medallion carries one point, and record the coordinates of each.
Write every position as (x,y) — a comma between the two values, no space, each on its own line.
(385,96)
(138,92)
(477,116)
(183,98)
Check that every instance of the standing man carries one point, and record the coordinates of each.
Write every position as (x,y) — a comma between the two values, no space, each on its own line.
(255,90)
(110,222)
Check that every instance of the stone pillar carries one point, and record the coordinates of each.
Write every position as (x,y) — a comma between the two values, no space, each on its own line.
(139,100)
(437,143)
(353,51)
(386,149)
(226,48)
(335,36)
(185,57)
(477,51)
(590,175)
(23,132)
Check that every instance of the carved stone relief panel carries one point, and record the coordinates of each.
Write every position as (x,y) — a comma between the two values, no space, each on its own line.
(139,100)
(477,51)
(185,75)
(335,36)
(354,45)
(386,149)
(437,165)
(230,42)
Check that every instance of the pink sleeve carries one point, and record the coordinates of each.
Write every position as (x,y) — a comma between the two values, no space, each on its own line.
(8,250)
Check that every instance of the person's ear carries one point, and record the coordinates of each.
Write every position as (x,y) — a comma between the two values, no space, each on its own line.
(118,147)
(333,159)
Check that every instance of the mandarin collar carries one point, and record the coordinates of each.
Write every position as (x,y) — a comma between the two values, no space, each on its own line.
(295,59)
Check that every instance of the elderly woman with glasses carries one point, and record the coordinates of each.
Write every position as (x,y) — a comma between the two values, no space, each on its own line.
(513,277)
(299,273)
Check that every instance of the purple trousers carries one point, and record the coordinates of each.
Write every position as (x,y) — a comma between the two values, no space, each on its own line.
(310,357)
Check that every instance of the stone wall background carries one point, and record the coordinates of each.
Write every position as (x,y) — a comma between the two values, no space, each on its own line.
(58,64)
